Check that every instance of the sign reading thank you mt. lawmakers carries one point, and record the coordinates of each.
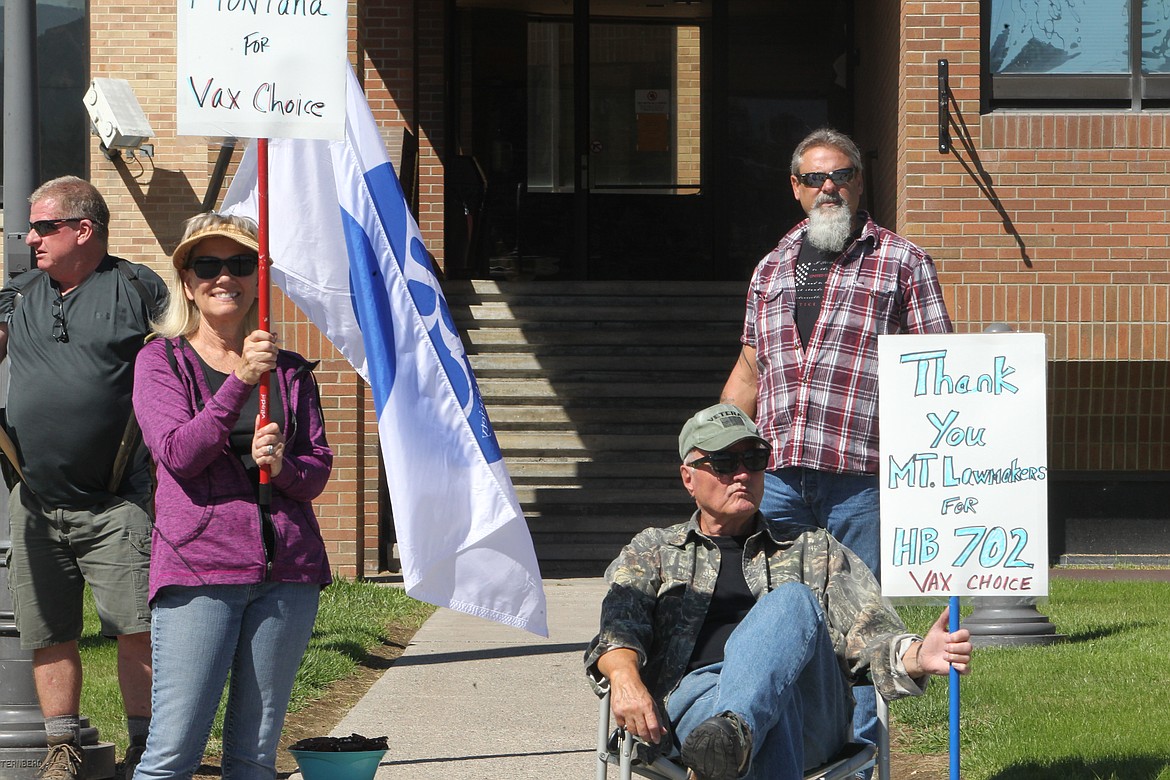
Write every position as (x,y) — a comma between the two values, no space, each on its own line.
(964,469)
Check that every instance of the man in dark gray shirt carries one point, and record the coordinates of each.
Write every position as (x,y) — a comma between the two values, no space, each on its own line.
(72,328)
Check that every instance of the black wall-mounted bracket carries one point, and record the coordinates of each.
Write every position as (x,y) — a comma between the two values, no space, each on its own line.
(944,111)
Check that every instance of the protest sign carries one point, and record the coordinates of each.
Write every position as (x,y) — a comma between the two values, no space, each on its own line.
(262,68)
(964,470)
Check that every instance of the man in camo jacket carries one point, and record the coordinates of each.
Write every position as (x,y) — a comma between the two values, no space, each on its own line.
(752,660)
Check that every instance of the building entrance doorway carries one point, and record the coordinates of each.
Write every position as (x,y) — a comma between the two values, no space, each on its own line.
(625,139)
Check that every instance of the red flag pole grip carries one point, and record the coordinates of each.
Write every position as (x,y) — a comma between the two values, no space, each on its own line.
(265,490)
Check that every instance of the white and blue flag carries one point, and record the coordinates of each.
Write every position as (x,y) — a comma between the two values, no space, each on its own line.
(348,252)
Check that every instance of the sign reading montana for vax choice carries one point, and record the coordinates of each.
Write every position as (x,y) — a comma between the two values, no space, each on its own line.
(964,472)
(262,68)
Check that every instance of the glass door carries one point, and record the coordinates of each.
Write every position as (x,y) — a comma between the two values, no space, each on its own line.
(647,205)
(629,205)
(613,139)
(642,169)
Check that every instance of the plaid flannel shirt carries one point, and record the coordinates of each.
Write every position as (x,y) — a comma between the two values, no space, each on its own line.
(818,406)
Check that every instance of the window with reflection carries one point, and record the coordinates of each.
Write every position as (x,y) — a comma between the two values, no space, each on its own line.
(1079,52)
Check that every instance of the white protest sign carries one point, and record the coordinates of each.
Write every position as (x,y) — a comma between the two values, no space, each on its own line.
(262,68)
(964,469)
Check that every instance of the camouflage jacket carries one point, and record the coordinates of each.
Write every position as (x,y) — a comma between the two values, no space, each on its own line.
(662,582)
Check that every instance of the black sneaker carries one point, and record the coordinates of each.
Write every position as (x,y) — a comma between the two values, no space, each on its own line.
(63,762)
(130,762)
(719,748)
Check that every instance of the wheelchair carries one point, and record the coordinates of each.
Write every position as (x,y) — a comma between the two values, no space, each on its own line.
(628,754)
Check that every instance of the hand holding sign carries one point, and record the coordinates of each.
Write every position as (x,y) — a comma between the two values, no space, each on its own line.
(941,650)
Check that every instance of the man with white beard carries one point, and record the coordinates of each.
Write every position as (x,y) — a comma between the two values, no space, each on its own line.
(807,371)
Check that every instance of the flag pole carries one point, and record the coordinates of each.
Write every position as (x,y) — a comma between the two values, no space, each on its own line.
(265,491)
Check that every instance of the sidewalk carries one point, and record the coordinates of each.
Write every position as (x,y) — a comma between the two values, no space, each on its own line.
(470,698)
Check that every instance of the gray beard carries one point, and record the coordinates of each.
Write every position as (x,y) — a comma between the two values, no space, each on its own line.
(829,229)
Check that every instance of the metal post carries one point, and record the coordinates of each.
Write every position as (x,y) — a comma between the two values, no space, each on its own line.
(21,146)
(22,732)
(22,737)
(1007,621)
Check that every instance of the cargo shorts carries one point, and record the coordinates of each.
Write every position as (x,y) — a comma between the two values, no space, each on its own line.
(55,552)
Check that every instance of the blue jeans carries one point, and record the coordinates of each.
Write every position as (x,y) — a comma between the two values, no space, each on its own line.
(780,674)
(199,635)
(845,505)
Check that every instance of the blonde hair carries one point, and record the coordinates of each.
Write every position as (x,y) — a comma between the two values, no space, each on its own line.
(182,316)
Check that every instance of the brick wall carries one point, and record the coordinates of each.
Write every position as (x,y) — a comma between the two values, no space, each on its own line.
(431,21)
(1055,222)
(687,86)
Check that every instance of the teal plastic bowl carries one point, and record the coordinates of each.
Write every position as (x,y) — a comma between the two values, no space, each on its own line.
(355,765)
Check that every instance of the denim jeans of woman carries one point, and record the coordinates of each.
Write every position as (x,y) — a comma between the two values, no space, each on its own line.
(258,633)
(780,675)
(847,506)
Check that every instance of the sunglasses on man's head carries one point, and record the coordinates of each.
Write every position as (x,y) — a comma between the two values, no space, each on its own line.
(728,462)
(207,268)
(817,179)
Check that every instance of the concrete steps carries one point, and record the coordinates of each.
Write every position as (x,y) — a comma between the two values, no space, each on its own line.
(587,385)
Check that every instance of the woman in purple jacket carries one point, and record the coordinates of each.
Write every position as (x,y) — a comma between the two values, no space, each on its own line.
(233,584)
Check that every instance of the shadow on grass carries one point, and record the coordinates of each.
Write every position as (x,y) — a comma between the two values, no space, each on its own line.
(1132,768)
(359,655)
(1105,632)
(346,647)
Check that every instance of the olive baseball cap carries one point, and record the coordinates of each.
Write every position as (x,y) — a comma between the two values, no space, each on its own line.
(716,428)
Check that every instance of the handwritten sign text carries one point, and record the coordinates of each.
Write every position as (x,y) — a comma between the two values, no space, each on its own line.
(963,465)
(262,68)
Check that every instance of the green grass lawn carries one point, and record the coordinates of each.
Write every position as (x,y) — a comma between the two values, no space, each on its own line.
(1093,707)
(352,618)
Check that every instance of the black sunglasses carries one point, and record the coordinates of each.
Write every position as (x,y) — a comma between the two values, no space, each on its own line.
(60,333)
(725,463)
(46,227)
(817,179)
(207,267)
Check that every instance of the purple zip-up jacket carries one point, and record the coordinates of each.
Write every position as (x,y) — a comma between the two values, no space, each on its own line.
(207,524)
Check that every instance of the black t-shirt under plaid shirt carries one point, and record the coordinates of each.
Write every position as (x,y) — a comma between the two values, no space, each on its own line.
(812,269)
